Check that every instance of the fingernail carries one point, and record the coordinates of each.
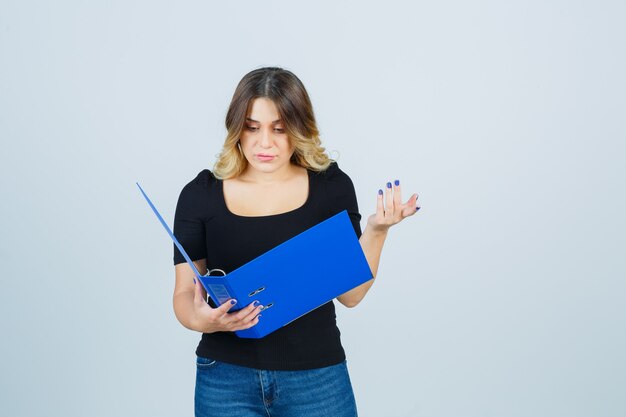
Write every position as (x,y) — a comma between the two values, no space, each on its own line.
(397,182)
(388,185)
(256,303)
(380,192)
(233,302)
(417,208)
(194,280)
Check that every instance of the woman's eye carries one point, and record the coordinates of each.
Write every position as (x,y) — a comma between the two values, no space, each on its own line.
(254,129)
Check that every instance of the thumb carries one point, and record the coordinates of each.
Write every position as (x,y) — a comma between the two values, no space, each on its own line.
(411,206)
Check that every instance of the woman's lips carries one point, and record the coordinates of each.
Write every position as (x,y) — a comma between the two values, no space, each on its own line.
(265,157)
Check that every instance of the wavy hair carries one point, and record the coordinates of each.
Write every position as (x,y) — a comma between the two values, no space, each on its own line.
(295,109)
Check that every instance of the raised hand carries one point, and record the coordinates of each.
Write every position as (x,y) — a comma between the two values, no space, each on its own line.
(389,208)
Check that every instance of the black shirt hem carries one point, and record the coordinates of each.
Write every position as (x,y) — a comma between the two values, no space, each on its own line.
(333,358)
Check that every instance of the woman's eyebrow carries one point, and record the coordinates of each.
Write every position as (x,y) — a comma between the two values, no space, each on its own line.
(256,121)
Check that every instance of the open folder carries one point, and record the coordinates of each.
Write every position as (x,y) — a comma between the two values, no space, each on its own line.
(292,278)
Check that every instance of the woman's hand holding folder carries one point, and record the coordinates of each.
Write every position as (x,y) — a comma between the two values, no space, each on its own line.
(206,319)
(193,312)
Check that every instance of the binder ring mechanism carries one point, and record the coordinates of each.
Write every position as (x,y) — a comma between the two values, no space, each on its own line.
(209,273)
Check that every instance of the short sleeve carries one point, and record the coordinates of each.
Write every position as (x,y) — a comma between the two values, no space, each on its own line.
(342,195)
(189,227)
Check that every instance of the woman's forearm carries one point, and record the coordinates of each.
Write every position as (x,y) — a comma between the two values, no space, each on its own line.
(183,308)
(372,242)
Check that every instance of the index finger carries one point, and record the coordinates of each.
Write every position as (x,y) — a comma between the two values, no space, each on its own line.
(397,199)
(243,313)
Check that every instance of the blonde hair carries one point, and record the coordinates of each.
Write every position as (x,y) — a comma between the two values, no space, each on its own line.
(295,109)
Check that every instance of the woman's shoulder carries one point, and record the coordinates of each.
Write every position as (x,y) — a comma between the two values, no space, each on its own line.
(201,183)
(333,172)
(336,183)
(335,175)
(205,177)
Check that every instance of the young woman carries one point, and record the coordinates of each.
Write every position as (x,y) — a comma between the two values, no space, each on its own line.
(272,181)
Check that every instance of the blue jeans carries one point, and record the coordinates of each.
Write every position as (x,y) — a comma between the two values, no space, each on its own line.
(229,390)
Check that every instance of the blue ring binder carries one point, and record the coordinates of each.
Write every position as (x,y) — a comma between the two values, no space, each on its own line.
(282,279)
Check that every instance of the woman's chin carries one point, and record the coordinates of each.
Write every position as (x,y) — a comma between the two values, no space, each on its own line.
(267,166)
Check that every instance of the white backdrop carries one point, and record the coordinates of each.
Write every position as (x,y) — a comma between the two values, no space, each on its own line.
(505,294)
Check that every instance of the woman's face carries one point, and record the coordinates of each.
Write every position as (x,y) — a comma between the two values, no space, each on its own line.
(263,141)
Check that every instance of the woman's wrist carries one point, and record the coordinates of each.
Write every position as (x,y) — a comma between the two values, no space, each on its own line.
(377,231)
(195,324)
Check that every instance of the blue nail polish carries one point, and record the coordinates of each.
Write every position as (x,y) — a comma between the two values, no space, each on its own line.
(380,192)
(256,303)
(397,182)
(388,185)
(417,208)
(233,302)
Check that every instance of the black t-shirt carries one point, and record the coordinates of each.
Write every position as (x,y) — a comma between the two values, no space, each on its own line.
(207,229)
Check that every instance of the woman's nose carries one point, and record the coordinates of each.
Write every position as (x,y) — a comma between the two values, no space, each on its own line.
(266,141)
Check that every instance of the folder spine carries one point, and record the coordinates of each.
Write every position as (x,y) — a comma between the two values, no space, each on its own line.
(223,293)
(218,289)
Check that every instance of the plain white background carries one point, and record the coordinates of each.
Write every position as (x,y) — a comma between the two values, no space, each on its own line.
(503,296)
